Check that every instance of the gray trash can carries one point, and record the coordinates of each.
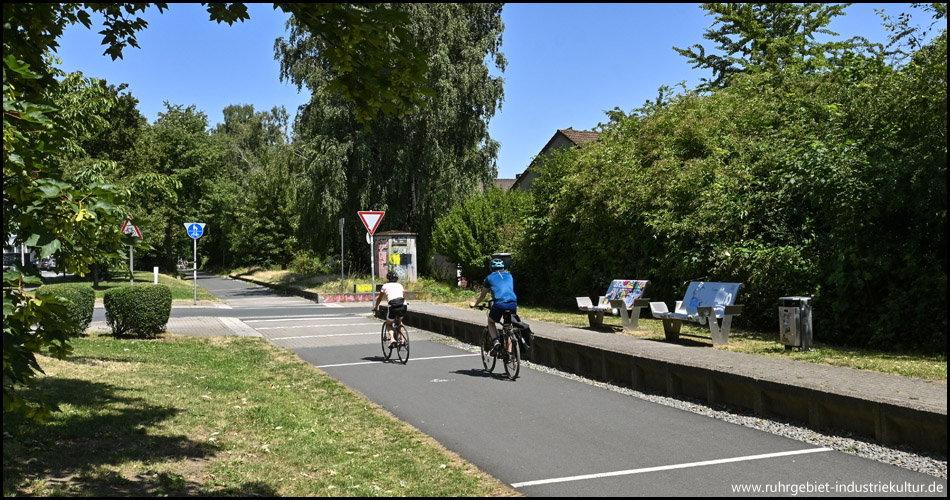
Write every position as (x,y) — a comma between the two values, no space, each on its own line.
(794,322)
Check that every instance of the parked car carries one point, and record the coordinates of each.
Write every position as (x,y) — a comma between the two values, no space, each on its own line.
(47,264)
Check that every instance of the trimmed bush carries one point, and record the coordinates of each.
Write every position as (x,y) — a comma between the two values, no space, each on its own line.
(79,303)
(140,310)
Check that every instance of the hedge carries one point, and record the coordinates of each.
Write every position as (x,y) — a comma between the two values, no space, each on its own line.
(141,310)
(80,302)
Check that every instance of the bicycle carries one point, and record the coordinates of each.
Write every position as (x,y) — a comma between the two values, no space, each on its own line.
(509,339)
(401,346)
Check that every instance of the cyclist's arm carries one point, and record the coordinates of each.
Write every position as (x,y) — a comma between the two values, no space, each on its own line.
(480,297)
(379,299)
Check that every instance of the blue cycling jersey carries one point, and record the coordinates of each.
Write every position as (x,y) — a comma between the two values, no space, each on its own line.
(502,285)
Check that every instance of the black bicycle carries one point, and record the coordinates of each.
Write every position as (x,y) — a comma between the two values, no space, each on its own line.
(509,339)
(400,342)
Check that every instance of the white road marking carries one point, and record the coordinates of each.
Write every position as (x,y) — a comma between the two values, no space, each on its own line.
(668,467)
(303,317)
(414,359)
(321,336)
(313,326)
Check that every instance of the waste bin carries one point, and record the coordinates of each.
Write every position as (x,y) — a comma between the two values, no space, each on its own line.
(794,321)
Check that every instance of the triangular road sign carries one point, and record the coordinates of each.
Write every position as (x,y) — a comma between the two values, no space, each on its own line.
(371,219)
(131,230)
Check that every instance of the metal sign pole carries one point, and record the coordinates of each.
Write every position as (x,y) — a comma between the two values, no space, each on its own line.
(372,263)
(195,271)
(131,268)
(342,287)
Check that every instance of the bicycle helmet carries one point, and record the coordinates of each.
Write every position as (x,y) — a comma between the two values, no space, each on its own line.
(392,276)
(497,264)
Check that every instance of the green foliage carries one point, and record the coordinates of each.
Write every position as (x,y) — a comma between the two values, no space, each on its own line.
(304,262)
(831,185)
(251,202)
(56,138)
(415,168)
(471,232)
(767,37)
(141,310)
(80,302)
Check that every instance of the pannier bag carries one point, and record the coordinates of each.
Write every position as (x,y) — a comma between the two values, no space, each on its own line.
(397,306)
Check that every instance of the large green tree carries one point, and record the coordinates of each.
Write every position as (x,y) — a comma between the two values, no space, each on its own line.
(375,69)
(415,167)
(767,37)
(251,205)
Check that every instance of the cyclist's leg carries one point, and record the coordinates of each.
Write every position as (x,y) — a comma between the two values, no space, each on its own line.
(494,314)
(389,324)
(398,331)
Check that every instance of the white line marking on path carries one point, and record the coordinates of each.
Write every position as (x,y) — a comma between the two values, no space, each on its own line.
(305,317)
(313,326)
(320,336)
(414,359)
(668,467)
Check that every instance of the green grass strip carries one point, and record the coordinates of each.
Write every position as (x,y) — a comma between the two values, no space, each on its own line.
(217,416)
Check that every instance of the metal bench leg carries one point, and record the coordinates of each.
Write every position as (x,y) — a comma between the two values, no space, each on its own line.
(720,334)
(671,327)
(631,318)
(596,318)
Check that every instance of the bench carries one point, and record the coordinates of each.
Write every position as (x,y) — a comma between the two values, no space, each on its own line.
(623,297)
(705,302)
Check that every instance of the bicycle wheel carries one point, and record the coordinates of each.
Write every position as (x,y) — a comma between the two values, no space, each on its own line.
(402,348)
(512,356)
(387,351)
(487,359)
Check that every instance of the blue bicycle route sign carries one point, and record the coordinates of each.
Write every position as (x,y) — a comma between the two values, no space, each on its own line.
(195,229)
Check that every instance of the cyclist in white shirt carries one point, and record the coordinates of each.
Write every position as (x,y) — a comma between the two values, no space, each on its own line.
(393,292)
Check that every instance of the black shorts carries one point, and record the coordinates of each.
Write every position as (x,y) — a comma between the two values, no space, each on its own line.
(397,307)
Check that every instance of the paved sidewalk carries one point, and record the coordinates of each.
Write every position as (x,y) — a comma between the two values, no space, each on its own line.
(197,326)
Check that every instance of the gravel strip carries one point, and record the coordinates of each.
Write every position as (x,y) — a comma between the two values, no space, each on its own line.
(903,456)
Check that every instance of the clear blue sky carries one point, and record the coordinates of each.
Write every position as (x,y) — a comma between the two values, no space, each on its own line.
(567,63)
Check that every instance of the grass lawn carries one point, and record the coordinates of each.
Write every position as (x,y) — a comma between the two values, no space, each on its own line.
(740,339)
(229,416)
(181,289)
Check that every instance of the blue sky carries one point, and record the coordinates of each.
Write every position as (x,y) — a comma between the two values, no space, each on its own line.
(567,63)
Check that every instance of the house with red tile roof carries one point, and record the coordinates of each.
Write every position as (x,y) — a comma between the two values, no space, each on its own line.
(563,138)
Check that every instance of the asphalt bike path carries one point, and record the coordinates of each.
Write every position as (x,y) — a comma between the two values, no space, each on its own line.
(544,434)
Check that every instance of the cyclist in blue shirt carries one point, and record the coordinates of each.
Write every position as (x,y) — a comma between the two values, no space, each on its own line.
(502,286)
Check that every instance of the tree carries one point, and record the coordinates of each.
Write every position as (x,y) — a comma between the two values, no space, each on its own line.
(488,223)
(417,167)
(362,37)
(769,37)
(252,204)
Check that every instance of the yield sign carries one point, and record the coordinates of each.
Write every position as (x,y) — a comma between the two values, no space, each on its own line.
(131,230)
(371,220)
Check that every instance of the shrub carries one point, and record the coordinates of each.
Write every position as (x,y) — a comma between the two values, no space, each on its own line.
(141,310)
(79,303)
(306,263)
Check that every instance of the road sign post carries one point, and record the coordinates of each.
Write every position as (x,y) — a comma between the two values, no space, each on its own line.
(342,286)
(195,231)
(371,220)
(131,230)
